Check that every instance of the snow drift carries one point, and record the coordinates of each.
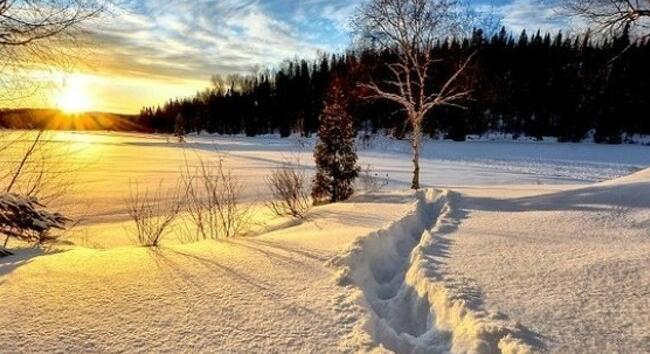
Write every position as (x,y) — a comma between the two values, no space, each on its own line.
(412,306)
(572,265)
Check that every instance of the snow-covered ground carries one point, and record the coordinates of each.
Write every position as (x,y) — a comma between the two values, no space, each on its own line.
(572,266)
(104,166)
(514,247)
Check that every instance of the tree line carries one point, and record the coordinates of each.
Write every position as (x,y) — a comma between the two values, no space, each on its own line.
(532,84)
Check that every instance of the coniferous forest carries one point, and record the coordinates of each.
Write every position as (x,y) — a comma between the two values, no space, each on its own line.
(536,85)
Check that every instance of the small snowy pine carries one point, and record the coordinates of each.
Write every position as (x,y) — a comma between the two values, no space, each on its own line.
(335,153)
(24,218)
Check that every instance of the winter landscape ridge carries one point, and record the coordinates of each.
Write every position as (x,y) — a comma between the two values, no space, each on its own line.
(510,247)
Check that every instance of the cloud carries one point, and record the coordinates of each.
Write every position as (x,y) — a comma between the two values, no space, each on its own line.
(200,38)
(155,50)
(532,15)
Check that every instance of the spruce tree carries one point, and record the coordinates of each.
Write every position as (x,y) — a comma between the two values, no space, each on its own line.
(179,128)
(335,154)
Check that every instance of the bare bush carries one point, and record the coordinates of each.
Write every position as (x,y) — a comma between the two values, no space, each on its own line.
(33,166)
(213,201)
(290,191)
(153,213)
(371,181)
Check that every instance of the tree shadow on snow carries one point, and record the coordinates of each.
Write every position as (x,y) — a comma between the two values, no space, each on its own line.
(20,257)
(174,261)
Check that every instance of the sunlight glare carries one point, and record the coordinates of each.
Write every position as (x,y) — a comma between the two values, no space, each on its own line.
(74,98)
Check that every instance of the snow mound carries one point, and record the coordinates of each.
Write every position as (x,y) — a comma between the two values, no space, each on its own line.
(642,176)
(626,193)
(412,307)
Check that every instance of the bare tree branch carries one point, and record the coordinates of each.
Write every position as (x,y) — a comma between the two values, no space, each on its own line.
(612,16)
(40,34)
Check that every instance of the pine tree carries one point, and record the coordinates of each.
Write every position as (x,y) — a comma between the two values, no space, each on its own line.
(335,155)
(179,128)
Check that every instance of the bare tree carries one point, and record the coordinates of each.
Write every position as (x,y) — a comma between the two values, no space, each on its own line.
(612,16)
(39,33)
(410,28)
(35,34)
(290,191)
(179,128)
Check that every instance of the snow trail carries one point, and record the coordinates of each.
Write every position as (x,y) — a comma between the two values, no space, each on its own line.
(413,307)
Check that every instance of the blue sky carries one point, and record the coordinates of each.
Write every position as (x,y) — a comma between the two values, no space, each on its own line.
(201,37)
(166,48)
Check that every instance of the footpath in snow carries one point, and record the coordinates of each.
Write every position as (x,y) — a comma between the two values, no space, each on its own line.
(412,306)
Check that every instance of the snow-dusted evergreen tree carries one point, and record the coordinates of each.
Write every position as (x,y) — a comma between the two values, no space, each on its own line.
(335,153)
(179,128)
(24,218)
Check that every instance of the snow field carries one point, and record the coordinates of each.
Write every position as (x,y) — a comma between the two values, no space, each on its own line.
(270,293)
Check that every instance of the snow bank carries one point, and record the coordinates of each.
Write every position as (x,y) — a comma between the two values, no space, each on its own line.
(642,176)
(572,265)
(413,308)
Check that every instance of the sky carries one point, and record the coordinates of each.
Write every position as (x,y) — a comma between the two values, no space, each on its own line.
(160,49)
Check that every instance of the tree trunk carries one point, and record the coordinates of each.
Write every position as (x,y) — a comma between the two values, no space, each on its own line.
(415,145)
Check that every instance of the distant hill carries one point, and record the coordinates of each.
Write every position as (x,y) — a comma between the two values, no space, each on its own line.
(53,119)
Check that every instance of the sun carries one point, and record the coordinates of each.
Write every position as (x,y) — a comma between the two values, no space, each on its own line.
(74,97)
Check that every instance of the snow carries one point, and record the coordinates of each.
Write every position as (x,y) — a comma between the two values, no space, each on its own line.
(413,307)
(572,266)
(269,293)
(514,247)
(103,166)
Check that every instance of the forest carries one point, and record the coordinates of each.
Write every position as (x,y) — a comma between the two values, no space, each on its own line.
(535,85)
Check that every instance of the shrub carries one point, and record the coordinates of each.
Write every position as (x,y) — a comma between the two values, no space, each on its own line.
(213,201)
(371,181)
(152,214)
(288,187)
